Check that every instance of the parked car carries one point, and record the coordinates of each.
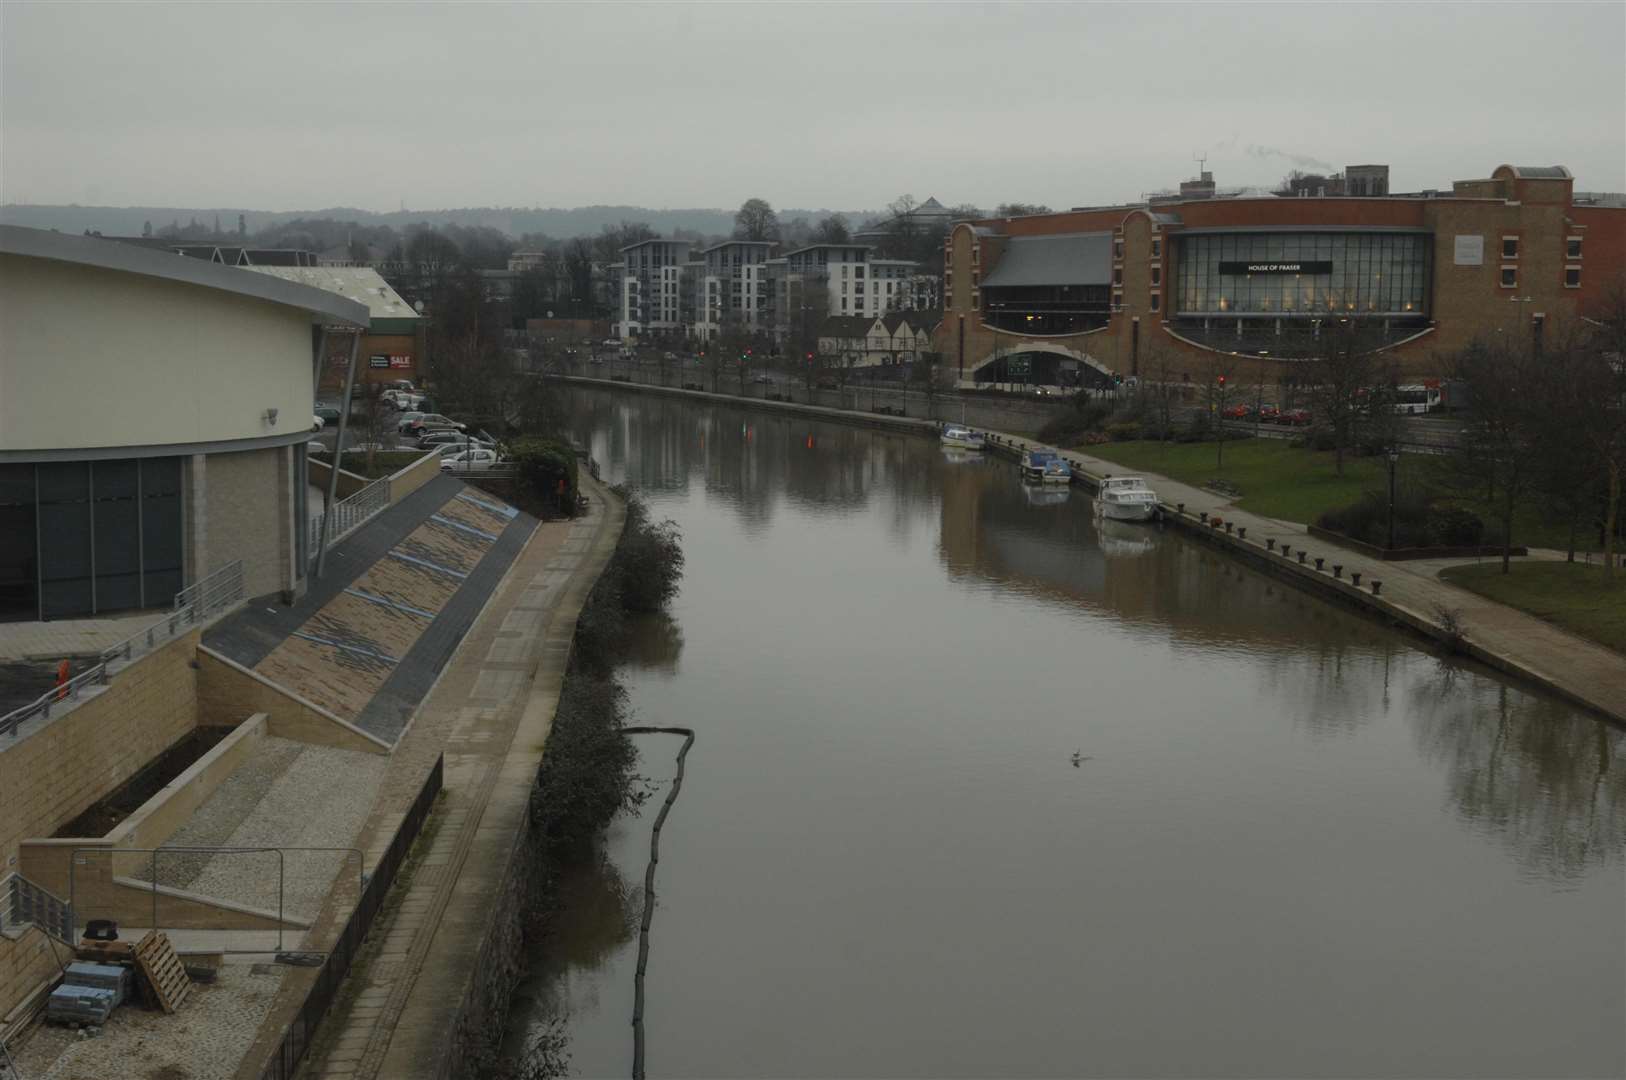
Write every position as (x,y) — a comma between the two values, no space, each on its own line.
(415,427)
(326,414)
(1295,417)
(1235,412)
(468,460)
(1269,413)
(406,418)
(404,400)
(611,343)
(436,436)
(447,449)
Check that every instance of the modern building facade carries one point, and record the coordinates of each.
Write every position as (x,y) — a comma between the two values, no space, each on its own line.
(730,285)
(393,346)
(154,412)
(652,299)
(1200,278)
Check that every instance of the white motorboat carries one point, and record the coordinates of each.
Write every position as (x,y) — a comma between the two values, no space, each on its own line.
(963,437)
(1126,498)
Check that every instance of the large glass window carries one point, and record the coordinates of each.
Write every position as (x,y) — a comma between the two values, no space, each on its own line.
(1275,275)
(83,538)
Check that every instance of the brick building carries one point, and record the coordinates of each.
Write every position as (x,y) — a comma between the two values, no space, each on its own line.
(393,346)
(1196,279)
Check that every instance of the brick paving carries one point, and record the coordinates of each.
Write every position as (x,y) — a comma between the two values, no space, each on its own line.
(489,713)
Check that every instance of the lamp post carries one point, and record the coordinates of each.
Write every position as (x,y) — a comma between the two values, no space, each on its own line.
(1394,458)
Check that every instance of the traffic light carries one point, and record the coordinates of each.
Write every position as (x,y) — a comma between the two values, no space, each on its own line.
(1222,380)
(1117,380)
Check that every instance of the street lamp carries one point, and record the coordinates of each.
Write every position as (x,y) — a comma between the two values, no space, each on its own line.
(1394,458)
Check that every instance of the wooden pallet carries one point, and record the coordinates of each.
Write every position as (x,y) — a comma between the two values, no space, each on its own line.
(162,967)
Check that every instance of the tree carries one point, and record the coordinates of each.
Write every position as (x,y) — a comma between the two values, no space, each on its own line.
(374,421)
(928,374)
(242,225)
(146,228)
(578,263)
(1351,379)
(756,220)
(1160,390)
(1498,445)
(1601,390)
(832,230)
(1020,209)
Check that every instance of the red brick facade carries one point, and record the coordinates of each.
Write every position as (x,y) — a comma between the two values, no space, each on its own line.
(1465,301)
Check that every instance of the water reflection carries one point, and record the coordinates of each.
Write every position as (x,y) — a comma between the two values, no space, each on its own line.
(1299,842)
(1550,790)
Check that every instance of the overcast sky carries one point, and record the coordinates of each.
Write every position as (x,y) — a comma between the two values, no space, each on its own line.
(301,106)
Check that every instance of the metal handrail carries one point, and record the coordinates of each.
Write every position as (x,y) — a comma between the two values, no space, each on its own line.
(24,903)
(204,598)
(350,513)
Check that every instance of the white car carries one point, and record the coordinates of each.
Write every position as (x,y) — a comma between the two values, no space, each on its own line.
(468,460)
(449,449)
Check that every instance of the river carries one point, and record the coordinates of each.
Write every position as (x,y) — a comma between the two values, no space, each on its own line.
(984,788)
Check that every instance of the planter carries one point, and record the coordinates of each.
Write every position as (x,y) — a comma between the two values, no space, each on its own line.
(1400,554)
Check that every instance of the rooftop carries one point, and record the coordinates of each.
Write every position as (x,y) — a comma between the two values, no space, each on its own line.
(95,252)
(359,283)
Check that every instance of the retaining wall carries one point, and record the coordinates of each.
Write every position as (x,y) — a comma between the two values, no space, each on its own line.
(27,962)
(51,775)
(227,688)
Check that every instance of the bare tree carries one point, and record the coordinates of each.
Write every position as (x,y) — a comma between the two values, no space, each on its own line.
(928,374)
(832,230)
(1160,391)
(1020,209)
(1351,381)
(756,220)
(1498,446)
(372,412)
(1601,388)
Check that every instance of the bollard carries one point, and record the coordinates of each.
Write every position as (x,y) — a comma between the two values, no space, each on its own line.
(1242,533)
(1270,545)
(1337,570)
(1318,563)
(1203,517)
(1287,549)
(1301,558)
(1376,585)
(1355,578)
(1179,508)
(1228,526)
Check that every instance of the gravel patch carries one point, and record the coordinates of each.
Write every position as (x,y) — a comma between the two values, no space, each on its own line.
(205,1040)
(287,794)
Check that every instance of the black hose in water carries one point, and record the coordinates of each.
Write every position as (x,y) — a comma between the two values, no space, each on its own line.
(649,891)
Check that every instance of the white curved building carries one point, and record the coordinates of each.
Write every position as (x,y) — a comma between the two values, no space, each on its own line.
(153,416)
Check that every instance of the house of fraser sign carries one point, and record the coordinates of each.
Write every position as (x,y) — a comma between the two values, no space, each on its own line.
(1322,267)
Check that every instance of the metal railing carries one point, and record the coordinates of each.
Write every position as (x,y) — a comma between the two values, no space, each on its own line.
(220,591)
(301,1032)
(350,513)
(23,903)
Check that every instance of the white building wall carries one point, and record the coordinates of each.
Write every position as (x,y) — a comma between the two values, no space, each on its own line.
(110,359)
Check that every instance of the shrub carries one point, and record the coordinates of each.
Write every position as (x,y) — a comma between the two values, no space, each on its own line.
(1124,430)
(1320,439)
(539,466)
(649,560)
(1418,521)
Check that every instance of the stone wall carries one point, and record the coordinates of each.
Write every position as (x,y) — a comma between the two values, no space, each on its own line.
(226,690)
(247,515)
(26,960)
(52,775)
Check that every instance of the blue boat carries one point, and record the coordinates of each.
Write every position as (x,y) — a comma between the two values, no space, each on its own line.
(1045,467)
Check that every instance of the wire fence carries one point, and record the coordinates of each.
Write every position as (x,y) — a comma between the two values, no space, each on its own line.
(297,1037)
(220,591)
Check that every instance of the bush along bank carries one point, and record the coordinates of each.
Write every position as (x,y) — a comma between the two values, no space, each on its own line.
(589,772)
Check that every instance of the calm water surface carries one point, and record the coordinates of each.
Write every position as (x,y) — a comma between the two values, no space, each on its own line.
(1295,845)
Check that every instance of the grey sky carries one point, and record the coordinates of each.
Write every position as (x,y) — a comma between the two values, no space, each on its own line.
(846,105)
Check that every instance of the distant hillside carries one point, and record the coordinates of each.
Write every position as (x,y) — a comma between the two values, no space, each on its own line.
(515,221)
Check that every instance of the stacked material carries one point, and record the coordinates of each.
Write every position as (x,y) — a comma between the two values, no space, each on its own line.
(101,976)
(89,992)
(80,1004)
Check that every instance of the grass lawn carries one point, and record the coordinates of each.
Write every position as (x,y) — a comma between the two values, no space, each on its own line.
(1570,595)
(1274,478)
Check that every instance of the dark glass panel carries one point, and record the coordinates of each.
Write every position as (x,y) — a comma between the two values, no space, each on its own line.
(19,565)
(161,529)
(118,535)
(64,530)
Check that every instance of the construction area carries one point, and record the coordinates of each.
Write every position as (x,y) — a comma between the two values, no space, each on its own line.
(197,845)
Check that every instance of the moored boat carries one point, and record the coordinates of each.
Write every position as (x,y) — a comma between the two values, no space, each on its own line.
(1045,467)
(1126,498)
(963,437)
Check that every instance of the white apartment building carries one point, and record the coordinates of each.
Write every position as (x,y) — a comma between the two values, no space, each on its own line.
(652,299)
(731,280)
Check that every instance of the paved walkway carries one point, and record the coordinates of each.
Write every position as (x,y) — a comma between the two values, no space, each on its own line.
(1531,648)
(490,713)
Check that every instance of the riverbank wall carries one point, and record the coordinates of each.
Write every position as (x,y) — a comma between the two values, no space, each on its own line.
(996,413)
(1434,625)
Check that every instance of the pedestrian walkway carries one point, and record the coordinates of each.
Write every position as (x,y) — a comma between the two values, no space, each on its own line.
(1571,666)
(489,714)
